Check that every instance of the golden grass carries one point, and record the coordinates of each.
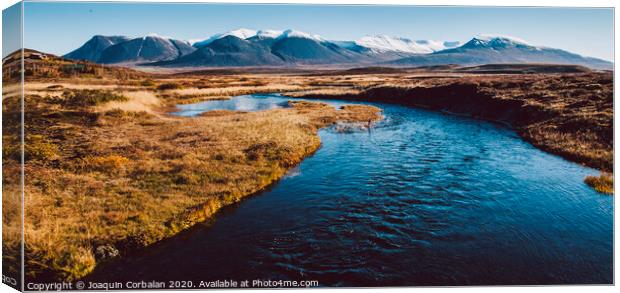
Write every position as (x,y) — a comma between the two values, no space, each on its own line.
(45,86)
(11,191)
(324,91)
(603,183)
(122,174)
(186,95)
(110,172)
(195,99)
(137,101)
(11,90)
(234,90)
(11,222)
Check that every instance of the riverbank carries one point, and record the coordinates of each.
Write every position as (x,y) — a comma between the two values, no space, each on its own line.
(418,187)
(567,115)
(103,157)
(121,174)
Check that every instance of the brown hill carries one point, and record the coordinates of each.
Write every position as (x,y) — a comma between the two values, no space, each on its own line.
(43,65)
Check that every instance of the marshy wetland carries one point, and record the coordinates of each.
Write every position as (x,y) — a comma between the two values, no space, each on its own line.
(117,179)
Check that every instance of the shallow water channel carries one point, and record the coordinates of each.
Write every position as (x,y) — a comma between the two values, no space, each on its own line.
(423,198)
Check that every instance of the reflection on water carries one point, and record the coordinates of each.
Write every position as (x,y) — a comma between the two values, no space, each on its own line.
(239,103)
(423,199)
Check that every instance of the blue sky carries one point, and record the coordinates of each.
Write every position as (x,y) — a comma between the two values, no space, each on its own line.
(61,27)
(11,29)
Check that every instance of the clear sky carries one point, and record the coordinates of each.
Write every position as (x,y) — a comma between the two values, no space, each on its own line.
(11,29)
(61,27)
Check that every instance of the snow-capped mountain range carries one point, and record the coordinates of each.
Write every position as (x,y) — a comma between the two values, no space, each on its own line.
(121,49)
(247,47)
(384,43)
(377,43)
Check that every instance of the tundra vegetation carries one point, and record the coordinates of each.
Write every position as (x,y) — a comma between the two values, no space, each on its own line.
(108,171)
(603,183)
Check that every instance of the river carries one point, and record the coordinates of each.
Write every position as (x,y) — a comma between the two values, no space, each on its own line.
(423,198)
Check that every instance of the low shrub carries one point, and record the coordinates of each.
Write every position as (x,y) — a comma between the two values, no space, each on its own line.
(603,183)
(37,148)
(107,164)
(55,87)
(85,98)
(169,86)
(147,82)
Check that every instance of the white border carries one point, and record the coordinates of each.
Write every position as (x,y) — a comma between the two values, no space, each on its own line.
(558,3)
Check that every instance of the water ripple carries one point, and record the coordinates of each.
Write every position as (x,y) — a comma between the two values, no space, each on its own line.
(423,199)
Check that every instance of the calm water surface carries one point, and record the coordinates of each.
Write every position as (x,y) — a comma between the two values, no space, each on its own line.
(422,199)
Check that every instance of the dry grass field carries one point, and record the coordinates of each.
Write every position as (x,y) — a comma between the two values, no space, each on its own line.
(109,171)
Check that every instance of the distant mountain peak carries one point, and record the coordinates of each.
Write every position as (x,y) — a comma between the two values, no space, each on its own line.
(503,38)
(498,49)
(92,49)
(291,33)
(486,40)
(100,37)
(384,43)
(272,34)
(242,33)
(157,36)
(120,49)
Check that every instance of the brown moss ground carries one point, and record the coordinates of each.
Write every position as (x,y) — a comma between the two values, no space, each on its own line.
(11,193)
(102,182)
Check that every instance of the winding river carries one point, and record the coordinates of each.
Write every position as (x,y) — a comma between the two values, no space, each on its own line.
(423,198)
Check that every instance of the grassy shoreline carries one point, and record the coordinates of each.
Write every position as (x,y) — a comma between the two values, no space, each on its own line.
(127,176)
(109,171)
(577,127)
